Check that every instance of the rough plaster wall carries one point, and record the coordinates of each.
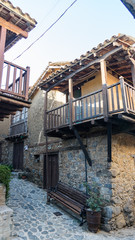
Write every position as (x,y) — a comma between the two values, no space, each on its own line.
(36,119)
(4,128)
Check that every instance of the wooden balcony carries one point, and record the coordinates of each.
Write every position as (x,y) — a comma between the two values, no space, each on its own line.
(14,84)
(116,99)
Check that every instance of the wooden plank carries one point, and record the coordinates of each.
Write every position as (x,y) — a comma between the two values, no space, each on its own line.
(105,56)
(86,103)
(20,82)
(133,72)
(13,28)
(104,88)
(90,106)
(82,146)
(70,100)
(14,79)
(27,82)
(112,99)
(99,101)
(95,110)
(124,99)
(2,47)
(7,78)
(118,99)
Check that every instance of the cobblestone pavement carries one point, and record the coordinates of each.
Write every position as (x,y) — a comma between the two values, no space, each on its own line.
(34,219)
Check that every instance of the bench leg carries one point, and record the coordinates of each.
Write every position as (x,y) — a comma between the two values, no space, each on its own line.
(48,200)
(82,222)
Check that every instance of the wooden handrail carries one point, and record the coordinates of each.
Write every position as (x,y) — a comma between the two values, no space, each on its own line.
(15,80)
(54,109)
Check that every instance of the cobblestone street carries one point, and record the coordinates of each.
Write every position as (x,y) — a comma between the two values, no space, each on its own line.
(34,219)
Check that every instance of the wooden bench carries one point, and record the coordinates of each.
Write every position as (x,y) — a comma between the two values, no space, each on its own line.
(70,198)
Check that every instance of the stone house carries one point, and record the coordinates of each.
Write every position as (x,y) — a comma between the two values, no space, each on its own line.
(14,79)
(24,147)
(96,127)
(14,84)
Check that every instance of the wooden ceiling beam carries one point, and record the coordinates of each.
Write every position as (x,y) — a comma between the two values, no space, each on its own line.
(95,61)
(17,103)
(11,27)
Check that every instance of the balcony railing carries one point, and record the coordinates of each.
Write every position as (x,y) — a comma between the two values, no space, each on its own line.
(14,80)
(120,98)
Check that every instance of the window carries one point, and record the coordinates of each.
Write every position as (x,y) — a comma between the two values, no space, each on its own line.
(36,158)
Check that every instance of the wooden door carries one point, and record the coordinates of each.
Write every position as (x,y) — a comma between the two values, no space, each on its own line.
(52,174)
(18,155)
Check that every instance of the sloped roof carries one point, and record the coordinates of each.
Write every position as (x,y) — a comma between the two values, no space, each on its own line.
(130,5)
(51,68)
(117,52)
(15,16)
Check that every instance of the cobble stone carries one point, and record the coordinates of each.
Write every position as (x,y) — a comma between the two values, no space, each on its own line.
(41,223)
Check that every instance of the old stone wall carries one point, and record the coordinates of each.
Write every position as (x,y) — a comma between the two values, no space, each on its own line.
(6,217)
(123,180)
(116,179)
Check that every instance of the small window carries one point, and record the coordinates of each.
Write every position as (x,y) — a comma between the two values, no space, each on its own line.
(37,158)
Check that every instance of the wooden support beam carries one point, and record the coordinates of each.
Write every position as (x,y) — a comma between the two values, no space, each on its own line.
(104,88)
(82,146)
(70,101)
(2,47)
(11,27)
(105,56)
(133,73)
(45,113)
(15,102)
(109,141)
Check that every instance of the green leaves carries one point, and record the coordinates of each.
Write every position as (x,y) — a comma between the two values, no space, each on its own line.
(5,175)
(95,200)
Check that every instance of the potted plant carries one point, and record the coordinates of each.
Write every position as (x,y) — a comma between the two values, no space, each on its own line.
(94,204)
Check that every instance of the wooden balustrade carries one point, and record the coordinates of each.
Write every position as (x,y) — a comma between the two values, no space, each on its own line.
(115,101)
(58,117)
(88,106)
(120,98)
(15,80)
(130,97)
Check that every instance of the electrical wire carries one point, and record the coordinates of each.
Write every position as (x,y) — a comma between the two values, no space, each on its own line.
(46,30)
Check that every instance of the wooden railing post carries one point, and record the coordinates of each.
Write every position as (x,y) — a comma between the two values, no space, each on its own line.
(124,100)
(2,48)
(104,88)
(70,81)
(45,114)
(27,82)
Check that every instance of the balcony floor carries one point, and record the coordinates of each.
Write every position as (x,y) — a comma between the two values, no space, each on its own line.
(11,104)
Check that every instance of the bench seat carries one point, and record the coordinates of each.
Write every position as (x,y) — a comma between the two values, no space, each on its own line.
(70,198)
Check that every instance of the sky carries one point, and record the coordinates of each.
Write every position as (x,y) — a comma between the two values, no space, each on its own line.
(86,24)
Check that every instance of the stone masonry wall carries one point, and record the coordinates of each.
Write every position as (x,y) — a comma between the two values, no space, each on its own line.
(116,180)
(6,217)
(123,181)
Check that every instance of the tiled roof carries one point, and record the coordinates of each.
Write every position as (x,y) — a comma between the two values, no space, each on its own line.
(76,66)
(16,17)
(50,69)
(16,10)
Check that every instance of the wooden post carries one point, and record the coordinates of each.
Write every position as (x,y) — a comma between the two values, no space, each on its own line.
(104,88)
(109,141)
(2,48)
(124,99)
(45,113)
(133,73)
(70,81)
(45,133)
(27,82)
